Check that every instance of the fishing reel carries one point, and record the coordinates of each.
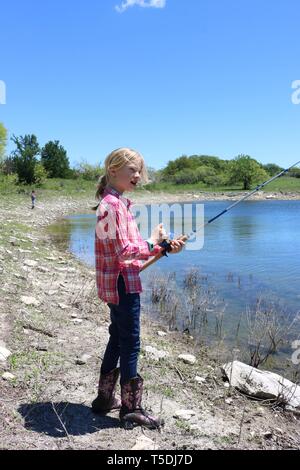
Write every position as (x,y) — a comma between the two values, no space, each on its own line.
(166,244)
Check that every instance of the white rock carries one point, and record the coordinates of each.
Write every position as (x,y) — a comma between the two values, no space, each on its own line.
(8,376)
(144,443)
(187,358)
(184,414)
(228,401)
(262,384)
(155,354)
(196,427)
(31,263)
(76,321)
(162,333)
(83,359)
(4,353)
(30,301)
(200,380)
(52,292)
(63,306)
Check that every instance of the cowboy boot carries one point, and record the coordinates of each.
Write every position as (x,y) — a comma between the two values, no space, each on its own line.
(132,414)
(106,400)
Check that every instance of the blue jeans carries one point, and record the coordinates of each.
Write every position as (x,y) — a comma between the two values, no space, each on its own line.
(124,330)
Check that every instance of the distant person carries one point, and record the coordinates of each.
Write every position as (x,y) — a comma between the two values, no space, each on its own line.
(33,198)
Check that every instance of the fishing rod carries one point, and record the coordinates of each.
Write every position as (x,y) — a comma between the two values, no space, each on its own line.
(166,244)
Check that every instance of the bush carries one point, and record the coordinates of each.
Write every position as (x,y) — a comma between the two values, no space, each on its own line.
(89,172)
(40,174)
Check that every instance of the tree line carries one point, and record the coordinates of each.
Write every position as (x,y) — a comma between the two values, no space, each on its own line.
(33,164)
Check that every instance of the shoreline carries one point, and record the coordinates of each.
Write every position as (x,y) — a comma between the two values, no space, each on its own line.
(205,196)
(55,327)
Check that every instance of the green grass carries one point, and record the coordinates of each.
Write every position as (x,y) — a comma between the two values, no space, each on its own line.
(284,183)
(76,188)
(51,188)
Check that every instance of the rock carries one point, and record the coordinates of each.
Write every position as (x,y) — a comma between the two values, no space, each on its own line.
(30,301)
(267,435)
(228,401)
(39,347)
(155,354)
(8,376)
(52,292)
(184,414)
(63,306)
(162,333)
(4,353)
(66,270)
(42,269)
(76,321)
(226,384)
(262,384)
(187,358)
(24,251)
(31,263)
(196,427)
(144,443)
(14,241)
(200,380)
(82,359)
(19,276)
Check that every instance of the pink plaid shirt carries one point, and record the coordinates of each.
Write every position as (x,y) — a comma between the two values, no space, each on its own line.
(119,247)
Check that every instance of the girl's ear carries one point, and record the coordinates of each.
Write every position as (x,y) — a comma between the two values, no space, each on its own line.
(112,172)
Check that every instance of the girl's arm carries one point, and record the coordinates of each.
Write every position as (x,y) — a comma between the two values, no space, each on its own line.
(119,228)
(124,248)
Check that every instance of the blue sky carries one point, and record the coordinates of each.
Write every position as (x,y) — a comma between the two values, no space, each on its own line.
(166,77)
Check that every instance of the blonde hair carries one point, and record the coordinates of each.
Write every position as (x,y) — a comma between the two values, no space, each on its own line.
(116,160)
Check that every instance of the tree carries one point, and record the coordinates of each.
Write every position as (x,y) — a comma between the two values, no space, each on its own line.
(246,170)
(55,160)
(40,174)
(25,157)
(3,141)
(89,172)
(272,169)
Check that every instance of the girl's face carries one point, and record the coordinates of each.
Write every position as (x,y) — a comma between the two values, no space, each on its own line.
(127,177)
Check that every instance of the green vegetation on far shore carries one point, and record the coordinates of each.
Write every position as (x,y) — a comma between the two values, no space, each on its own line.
(80,186)
(48,168)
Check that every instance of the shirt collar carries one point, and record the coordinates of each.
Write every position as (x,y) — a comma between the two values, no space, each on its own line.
(110,190)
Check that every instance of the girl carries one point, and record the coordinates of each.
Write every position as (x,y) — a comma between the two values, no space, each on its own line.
(119,249)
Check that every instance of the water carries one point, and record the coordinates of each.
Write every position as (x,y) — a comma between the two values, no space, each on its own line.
(252,250)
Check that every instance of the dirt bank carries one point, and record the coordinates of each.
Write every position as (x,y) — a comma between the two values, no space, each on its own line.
(56,330)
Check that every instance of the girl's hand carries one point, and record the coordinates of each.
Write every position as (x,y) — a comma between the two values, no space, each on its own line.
(158,235)
(176,246)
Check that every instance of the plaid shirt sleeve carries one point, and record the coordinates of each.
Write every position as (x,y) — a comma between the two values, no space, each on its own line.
(128,243)
(119,226)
